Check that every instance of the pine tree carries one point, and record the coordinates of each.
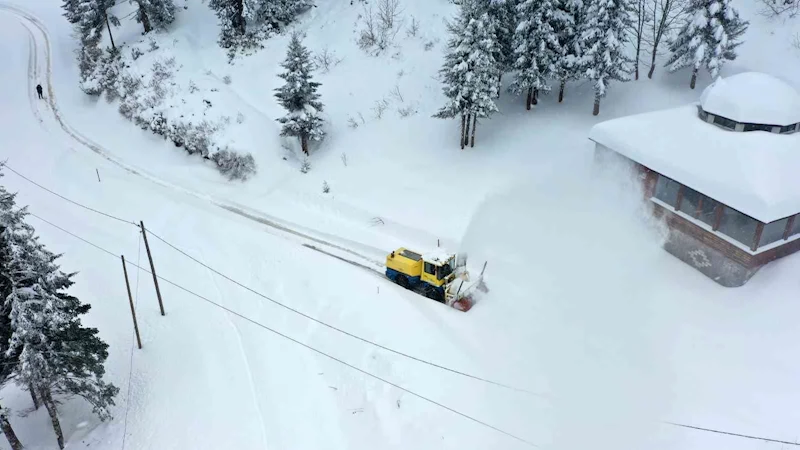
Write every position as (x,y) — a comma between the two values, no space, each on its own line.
(299,96)
(536,48)
(504,16)
(470,72)
(232,21)
(156,14)
(55,354)
(568,19)
(92,16)
(709,39)
(9,222)
(603,38)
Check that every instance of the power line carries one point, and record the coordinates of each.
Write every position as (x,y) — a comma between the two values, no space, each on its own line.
(313,319)
(777,441)
(347,333)
(478,421)
(67,199)
(302,344)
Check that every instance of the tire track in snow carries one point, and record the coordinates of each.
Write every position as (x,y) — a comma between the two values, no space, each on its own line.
(246,361)
(280,228)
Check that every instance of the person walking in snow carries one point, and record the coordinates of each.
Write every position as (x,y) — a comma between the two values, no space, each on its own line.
(39,91)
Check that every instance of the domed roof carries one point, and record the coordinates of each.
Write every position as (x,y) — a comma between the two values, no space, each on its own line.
(752,97)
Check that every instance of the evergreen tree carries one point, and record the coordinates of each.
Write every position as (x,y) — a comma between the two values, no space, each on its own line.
(92,16)
(10,221)
(537,49)
(232,21)
(568,20)
(504,15)
(55,354)
(470,72)
(709,38)
(299,96)
(603,38)
(156,14)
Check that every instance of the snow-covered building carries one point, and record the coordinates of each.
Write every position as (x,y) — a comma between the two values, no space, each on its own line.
(725,173)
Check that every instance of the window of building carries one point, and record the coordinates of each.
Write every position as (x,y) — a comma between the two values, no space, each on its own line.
(757,127)
(738,226)
(796,226)
(708,211)
(724,123)
(691,201)
(773,232)
(666,190)
(789,129)
(702,114)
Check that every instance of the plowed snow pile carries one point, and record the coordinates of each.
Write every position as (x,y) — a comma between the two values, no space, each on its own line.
(618,335)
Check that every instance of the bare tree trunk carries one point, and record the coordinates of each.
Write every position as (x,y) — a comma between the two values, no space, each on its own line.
(652,65)
(596,109)
(463,128)
(529,99)
(33,396)
(5,426)
(499,84)
(239,23)
(47,399)
(304,143)
(108,25)
(466,133)
(561,90)
(52,411)
(641,19)
(694,78)
(143,18)
(474,125)
(535,96)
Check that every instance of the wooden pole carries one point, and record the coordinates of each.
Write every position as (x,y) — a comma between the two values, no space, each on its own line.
(152,268)
(130,298)
(98,174)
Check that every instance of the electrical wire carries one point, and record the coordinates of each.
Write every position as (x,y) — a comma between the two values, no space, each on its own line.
(133,340)
(408,391)
(728,433)
(302,344)
(311,318)
(67,199)
(346,333)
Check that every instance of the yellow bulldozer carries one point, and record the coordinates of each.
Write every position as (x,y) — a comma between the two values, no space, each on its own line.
(435,275)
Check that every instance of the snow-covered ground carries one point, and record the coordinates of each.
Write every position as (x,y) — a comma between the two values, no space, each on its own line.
(614,335)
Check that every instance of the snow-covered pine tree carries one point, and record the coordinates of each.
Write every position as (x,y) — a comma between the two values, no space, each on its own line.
(470,72)
(503,14)
(231,21)
(603,36)
(9,222)
(709,38)
(56,355)
(569,17)
(274,13)
(299,96)
(536,48)
(92,17)
(156,14)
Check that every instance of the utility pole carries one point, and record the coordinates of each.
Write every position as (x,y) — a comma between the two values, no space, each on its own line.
(130,299)
(152,267)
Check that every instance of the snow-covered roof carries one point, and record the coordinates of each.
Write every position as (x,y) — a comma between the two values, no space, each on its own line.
(437,257)
(753,97)
(754,172)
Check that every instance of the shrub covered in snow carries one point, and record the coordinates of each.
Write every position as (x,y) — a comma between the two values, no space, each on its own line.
(151,98)
(235,166)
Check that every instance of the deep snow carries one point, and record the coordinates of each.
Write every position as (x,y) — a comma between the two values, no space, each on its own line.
(584,307)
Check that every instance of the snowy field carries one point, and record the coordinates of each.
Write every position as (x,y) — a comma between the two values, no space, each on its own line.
(608,335)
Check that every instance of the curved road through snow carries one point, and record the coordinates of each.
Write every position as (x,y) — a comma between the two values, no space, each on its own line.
(366,257)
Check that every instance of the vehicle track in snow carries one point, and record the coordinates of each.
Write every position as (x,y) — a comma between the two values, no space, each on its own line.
(278,227)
